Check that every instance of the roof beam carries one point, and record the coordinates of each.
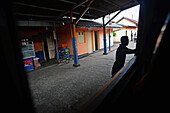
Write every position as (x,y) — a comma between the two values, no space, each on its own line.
(40,7)
(112,3)
(75,6)
(112,18)
(45,8)
(83,11)
(67,1)
(35,15)
(84,14)
(80,3)
(95,9)
(58,10)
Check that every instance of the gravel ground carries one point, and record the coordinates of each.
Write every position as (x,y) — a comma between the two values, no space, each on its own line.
(62,88)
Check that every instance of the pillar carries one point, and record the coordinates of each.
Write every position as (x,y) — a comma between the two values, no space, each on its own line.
(104,38)
(74,43)
(109,40)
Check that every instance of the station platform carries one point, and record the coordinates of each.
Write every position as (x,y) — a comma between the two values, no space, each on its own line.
(62,88)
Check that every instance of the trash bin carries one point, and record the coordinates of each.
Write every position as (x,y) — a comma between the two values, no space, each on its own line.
(28,65)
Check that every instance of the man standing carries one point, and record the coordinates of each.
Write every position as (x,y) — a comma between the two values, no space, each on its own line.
(121,55)
(135,37)
(131,36)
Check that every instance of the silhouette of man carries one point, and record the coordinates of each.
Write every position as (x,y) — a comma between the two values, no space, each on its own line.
(121,55)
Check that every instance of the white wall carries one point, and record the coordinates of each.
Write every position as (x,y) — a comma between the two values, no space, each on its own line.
(122,32)
(126,23)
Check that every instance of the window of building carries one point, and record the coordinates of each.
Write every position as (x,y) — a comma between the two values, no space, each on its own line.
(81,37)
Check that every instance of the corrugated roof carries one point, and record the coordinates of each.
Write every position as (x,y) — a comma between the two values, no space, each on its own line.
(134,21)
(81,24)
(114,25)
(92,24)
(131,20)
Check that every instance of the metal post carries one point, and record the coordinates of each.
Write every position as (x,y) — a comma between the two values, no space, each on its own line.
(104,38)
(74,42)
(104,34)
(109,40)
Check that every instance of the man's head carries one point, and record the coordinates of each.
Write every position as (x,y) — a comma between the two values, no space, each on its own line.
(124,40)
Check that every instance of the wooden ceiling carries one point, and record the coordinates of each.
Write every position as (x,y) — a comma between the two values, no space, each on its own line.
(53,10)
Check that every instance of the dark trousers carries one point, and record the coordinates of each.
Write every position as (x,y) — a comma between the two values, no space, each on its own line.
(116,67)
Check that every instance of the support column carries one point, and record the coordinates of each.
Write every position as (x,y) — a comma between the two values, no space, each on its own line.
(74,41)
(109,40)
(104,34)
(104,38)
(56,44)
(73,32)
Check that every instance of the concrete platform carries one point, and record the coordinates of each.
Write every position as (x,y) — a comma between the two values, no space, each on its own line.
(62,88)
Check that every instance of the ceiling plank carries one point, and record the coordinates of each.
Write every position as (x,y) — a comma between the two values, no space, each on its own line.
(35,15)
(40,7)
(67,1)
(75,6)
(112,3)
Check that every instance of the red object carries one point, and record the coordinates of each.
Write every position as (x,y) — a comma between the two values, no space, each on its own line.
(28,62)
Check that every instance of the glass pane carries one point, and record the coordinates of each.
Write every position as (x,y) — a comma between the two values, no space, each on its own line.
(28,49)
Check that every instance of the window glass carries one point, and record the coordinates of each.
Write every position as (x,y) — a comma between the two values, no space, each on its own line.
(81,37)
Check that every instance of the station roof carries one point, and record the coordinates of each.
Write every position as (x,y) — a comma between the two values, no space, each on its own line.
(52,10)
(134,21)
(81,24)
(92,24)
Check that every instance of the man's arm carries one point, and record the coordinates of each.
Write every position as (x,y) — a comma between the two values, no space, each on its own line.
(130,51)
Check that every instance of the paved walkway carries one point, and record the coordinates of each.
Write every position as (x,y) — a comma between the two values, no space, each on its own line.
(62,88)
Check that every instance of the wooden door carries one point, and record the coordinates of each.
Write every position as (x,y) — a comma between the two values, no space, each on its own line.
(89,38)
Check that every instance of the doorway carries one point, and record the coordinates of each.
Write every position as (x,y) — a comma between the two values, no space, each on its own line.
(51,47)
(46,48)
(96,39)
(89,38)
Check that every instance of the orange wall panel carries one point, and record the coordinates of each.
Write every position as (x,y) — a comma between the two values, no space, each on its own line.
(64,34)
